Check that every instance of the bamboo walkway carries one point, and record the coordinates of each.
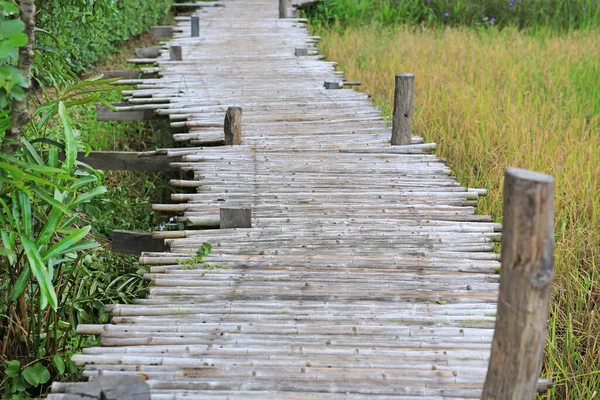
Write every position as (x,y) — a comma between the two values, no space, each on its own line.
(366,274)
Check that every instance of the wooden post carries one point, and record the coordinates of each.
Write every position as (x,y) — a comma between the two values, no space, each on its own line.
(175,53)
(403,109)
(235,216)
(301,52)
(195,26)
(283,9)
(333,85)
(161,31)
(525,284)
(233,126)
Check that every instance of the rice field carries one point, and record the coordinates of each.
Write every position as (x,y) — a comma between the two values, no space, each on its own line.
(494,98)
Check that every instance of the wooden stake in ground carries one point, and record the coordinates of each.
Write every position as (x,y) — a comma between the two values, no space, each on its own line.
(20,112)
(525,283)
(233,126)
(403,109)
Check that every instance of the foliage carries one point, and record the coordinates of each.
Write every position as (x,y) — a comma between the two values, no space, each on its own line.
(556,14)
(197,258)
(538,110)
(12,82)
(83,31)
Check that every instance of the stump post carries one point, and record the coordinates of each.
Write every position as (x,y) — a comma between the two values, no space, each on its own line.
(233,126)
(195,26)
(283,12)
(404,94)
(176,53)
(235,216)
(301,52)
(333,85)
(525,285)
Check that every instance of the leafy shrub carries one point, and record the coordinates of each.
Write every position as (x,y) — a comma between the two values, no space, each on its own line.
(84,31)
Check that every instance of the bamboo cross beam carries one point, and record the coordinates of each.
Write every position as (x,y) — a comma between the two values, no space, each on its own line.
(161,31)
(526,277)
(126,161)
(130,242)
(148,52)
(106,114)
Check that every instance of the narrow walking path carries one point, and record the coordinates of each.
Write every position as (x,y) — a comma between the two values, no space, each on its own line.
(366,273)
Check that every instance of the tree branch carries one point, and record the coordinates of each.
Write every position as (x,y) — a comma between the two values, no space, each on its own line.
(20,111)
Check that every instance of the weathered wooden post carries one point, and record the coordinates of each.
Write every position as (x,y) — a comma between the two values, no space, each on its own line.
(235,216)
(301,52)
(283,13)
(404,94)
(176,53)
(233,126)
(333,85)
(525,284)
(195,26)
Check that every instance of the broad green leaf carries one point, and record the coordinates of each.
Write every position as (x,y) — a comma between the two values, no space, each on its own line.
(18,39)
(62,246)
(30,376)
(12,368)
(42,372)
(85,245)
(59,364)
(70,142)
(22,177)
(33,167)
(40,272)
(32,152)
(84,181)
(8,213)
(87,196)
(5,252)
(26,216)
(10,8)
(11,27)
(20,284)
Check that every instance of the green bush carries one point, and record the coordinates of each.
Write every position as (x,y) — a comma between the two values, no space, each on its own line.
(561,15)
(84,31)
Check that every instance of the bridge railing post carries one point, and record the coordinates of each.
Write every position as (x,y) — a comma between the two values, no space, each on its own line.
(526,277)
(404,94)
(195,26)
(283,8)
(233,126)
(175,52)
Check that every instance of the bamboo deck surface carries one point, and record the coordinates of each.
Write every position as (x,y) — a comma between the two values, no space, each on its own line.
(367,273)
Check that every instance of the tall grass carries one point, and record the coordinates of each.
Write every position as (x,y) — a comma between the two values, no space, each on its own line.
(564,15)
(492,99)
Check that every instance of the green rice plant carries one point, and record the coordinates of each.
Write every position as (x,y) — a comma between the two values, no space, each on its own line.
(495,98)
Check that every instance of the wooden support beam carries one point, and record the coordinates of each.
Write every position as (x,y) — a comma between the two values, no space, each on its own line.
(175,52)
(161,31)
(526,277)
(148,52)
(126,161)
(124,74)
(403,109)
(130,242)
(233,126)
(301,52)
(333,85)
(235,216)
(195,26)
(106,114)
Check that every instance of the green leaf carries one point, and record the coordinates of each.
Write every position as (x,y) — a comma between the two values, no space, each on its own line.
(63,246)
(87,196)
(42,372)
(33,152)
(53,202)
(26,216)
(12,368)
(59,364)
(18,39)
(85,245)
(6,252)
(11,27)
(30,376)
(70,142)
(20,284)
(17,93)
(38,268)
(49,229)
(34,167)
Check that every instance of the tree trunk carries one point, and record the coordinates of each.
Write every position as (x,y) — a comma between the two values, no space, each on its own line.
(20,111)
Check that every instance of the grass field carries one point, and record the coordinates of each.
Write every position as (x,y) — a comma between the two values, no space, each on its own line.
(492,99)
